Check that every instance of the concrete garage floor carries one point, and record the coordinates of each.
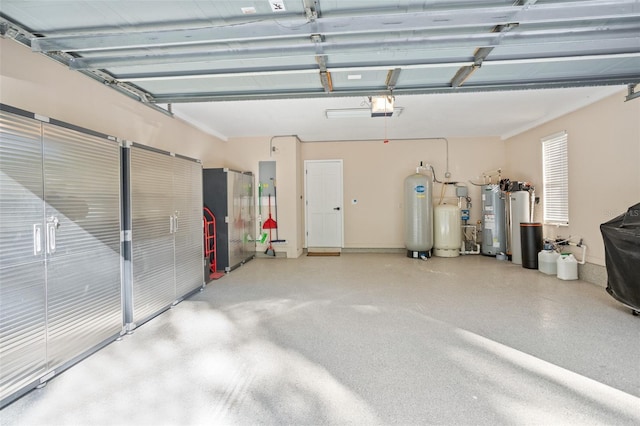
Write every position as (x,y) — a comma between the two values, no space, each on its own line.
(363,339)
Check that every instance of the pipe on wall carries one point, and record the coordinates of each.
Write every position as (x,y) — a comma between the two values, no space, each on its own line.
(447,173)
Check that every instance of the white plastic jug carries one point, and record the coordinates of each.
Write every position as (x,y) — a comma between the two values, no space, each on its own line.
(567,267)
(547,262)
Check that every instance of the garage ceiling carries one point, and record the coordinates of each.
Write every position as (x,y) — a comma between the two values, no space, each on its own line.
(215,61)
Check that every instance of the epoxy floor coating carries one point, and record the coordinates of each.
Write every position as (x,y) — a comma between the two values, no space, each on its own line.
(363,339)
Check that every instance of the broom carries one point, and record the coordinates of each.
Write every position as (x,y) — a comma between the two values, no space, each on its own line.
(270,224)
(263,235)
(275,206)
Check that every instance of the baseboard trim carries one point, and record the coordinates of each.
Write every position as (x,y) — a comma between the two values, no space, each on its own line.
(324,250)
(375,250)
(594,274)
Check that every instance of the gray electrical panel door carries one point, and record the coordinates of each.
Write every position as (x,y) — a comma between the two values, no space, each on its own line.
(22,266)
(151,183)
(187,189)
(82,224)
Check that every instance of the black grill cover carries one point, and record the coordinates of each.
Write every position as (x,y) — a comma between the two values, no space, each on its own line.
(621,237)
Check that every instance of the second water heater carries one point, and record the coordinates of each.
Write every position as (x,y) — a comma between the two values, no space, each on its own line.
(494,235)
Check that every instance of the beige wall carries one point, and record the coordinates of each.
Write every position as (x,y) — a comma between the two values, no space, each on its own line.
(604,149)
(374,173)
(244,155)
(37,84)
(604,166)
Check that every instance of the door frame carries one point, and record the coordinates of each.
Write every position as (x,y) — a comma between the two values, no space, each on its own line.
(306,204)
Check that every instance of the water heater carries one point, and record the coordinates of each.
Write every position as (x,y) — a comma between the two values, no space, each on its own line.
(520,212)
(418,210)
(494,223)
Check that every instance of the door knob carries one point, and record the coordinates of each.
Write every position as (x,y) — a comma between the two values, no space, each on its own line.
(336,208)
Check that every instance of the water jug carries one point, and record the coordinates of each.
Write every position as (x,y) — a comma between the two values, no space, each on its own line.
(547,261)
(567,267)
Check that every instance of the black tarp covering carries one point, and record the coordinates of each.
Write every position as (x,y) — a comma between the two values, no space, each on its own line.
(621,237)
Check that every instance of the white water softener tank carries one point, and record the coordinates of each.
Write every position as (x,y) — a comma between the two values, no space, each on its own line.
(418,214)
(547,262)
(567,267)
(519,214)
(447,230)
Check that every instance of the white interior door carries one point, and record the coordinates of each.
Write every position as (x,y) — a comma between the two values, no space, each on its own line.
(324,209)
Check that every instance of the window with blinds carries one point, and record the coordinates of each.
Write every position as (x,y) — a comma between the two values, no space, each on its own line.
(555,174)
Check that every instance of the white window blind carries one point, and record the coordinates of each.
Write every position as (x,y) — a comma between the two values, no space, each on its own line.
(555,174)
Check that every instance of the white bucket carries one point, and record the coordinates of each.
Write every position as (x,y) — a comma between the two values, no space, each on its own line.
(567,267)
(547,262)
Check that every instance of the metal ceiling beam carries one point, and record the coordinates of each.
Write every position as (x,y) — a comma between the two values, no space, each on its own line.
(22,36)
(478,87)
(325,80)
(392,78)
(13,31)
(239,73)
(480,55)
(480,17)
(610,36)
(632,94)
(496,61)
(311,9)
(325,76)
(245,72)
(321,60)
(463,75)
(5,30)
(525,3)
